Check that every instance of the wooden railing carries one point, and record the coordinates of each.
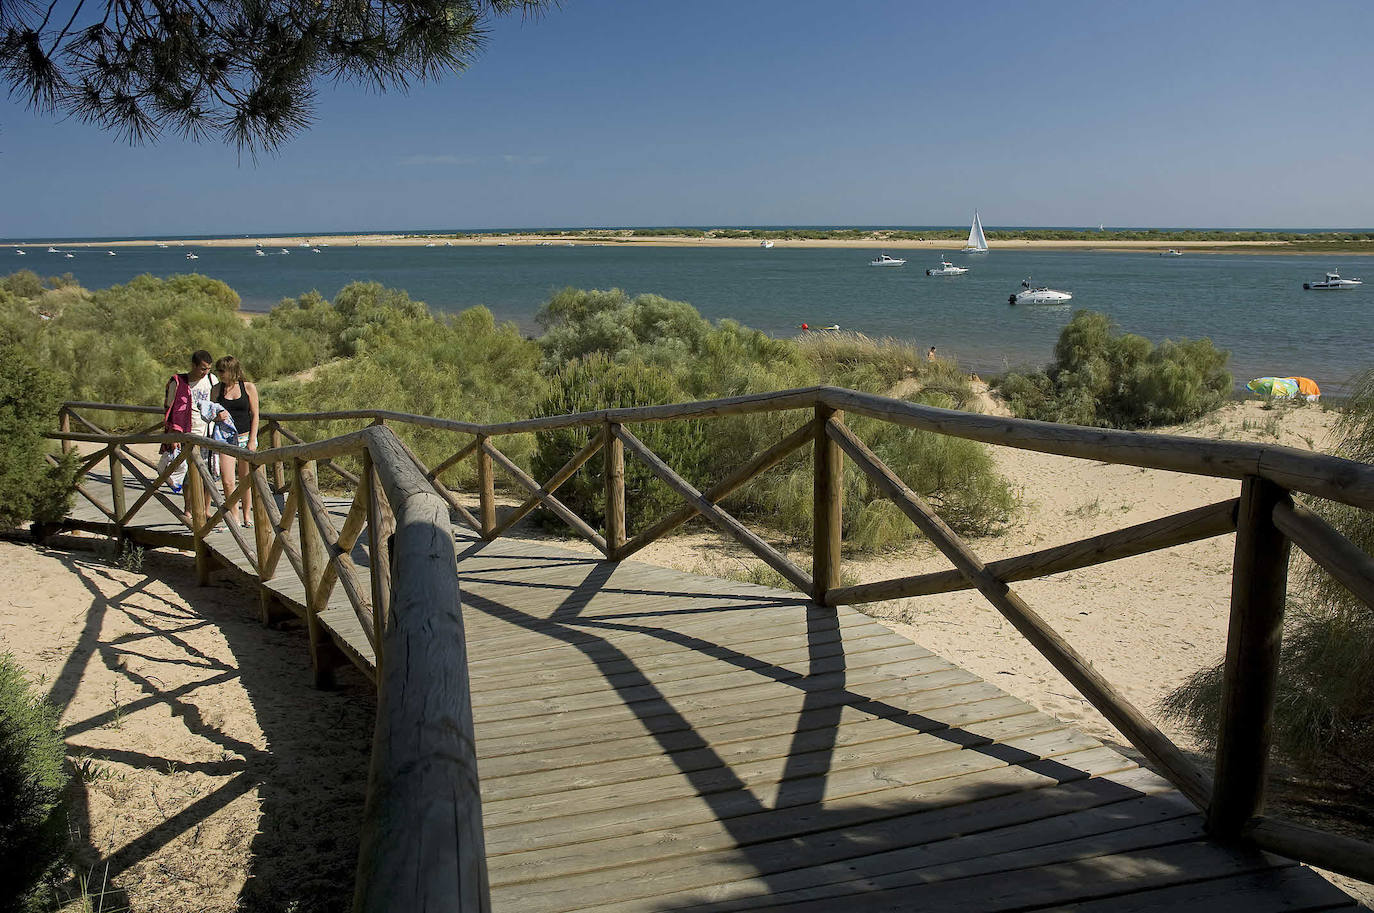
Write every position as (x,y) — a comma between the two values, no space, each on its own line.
(1264,517)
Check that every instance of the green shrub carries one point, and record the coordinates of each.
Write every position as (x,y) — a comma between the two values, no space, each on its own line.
(32,818)
(30,488)
(464,366)
(1119,380)
(1322,718)
(596,382)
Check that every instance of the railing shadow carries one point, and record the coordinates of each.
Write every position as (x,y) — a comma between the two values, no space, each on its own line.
(795,822)
(292,778)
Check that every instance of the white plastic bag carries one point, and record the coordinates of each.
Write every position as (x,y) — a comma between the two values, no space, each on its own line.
(178,476)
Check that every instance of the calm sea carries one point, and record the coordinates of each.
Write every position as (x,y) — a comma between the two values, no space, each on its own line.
(1253,305)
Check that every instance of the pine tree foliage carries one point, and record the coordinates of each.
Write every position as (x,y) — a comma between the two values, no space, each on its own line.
(243,72)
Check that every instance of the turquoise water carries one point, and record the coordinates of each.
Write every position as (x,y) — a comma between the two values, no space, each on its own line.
(1253,305)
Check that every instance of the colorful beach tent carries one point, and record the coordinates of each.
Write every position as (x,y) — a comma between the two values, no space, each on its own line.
(1307,387)
(1274,386)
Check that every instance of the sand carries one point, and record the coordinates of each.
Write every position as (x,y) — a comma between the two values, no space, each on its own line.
(297,242)
(214,768)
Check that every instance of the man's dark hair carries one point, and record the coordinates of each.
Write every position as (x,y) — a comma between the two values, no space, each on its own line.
(201,357)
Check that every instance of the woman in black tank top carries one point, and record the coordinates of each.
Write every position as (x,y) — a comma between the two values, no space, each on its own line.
(239,397)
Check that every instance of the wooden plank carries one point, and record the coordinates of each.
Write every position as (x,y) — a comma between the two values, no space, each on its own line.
(1278,890)
(715,855)
(894,698)
(867,795)
(564,473)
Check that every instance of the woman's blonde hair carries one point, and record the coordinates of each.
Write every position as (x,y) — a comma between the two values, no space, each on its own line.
(230,371)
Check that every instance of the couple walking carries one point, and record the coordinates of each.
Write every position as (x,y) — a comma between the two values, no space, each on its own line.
(200,401)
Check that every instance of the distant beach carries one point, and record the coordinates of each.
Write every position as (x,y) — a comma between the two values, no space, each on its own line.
(623,238)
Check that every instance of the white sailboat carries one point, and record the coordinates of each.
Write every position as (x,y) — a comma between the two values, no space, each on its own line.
(977,241)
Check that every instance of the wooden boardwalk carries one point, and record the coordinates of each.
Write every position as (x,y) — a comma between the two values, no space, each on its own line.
(649,740)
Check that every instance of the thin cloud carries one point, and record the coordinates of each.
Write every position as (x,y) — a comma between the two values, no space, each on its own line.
(437,160)
(524,159)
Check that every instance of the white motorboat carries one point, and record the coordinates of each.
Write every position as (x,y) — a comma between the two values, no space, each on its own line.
(53,250)
(285,251)
(1030,294)
(70,256)
(884,260)
(1333,280)
(22,253)
(765,244)
(947,269)
(192,256)
(110,252)
(977,241)
(315,250)
(259,252)
(1171,252)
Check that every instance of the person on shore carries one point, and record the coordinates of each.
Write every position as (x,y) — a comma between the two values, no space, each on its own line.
(930,356)
(182,400)
(239,396)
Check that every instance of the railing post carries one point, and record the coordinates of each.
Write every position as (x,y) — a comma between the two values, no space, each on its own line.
(486,490)
(313,559)
(64,424)
(195,486)
(614,455)
(1259,587)
(117,500)
(278,469)
(379,527)
(828,499)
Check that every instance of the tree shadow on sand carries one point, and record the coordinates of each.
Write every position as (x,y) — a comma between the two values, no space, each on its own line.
(277,787)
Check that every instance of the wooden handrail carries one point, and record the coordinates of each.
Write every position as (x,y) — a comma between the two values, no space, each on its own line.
(401,495)
(1133,724)
(1166,532)
(1335,478)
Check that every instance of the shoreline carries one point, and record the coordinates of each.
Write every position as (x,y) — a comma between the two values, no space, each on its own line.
(1358,248)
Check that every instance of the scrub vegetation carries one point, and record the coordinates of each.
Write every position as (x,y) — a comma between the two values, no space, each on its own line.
(373,347)
(1323,725)
(1103,377)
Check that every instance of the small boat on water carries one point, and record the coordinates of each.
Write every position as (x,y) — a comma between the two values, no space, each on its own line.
(1333,280)
(765,244)
(947,269)
(977,241)
(884,260)
(70,256)
(316,250)
(110,252)
(259,252)
(1038,295)
(1171,252)
(191,256)
(53,250)
(22,253)
(285,251)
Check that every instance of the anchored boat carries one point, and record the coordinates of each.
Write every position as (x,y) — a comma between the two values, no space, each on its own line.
(1038,295)
(947,269)
(884,260)
(1333,280)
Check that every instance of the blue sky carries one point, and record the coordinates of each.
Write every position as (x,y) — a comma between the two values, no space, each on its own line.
(750,112)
